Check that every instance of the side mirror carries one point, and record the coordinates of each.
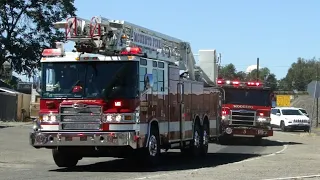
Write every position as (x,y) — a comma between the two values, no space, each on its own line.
(307,115)
(277,114)
(148,81)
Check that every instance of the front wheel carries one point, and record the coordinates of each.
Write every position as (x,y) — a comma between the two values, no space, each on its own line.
(307,129)
(152,152)
(283,127)
(63,159)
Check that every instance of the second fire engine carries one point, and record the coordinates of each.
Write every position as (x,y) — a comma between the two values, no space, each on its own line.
(245,110)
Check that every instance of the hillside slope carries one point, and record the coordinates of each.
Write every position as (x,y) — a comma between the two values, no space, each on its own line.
(309,104)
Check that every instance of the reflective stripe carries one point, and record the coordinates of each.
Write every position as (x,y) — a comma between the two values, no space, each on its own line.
(46,127)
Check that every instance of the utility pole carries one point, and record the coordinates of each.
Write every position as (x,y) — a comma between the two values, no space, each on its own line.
(317,103)
(257,69)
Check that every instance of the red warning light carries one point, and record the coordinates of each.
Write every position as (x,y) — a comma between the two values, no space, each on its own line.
(117,103)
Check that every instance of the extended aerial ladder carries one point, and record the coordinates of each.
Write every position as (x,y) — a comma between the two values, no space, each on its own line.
(110,37)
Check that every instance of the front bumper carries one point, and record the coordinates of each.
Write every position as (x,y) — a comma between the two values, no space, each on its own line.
(55,139)
(248,132)
(299,126)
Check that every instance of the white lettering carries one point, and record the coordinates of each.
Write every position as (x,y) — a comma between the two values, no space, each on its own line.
(147,40)
(243,106)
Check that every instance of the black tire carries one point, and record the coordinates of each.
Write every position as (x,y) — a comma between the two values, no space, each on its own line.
(197,140)
(153,150)
(257,140)
(205,139)
(63,159)
(224,140)
(195,148)
(283,127)
(307,129)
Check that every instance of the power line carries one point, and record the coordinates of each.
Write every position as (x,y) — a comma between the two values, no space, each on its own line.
(237,65)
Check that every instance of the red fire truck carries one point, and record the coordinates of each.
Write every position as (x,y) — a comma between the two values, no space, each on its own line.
(124,90)
(245,110)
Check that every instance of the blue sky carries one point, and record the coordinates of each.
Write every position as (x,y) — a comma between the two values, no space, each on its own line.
(276,31)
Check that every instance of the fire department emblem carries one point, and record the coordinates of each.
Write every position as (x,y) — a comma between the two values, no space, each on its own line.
(243,111)
(79,106)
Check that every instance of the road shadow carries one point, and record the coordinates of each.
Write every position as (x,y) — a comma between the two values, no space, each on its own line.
(171,161)
(289,130)
(264,142)
(4,126)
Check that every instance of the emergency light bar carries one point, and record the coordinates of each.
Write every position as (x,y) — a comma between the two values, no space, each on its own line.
(51,52)
(238,83)
(131,51)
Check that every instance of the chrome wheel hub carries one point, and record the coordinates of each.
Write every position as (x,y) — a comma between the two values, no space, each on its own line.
(153,146)
(205,138)
(196,139)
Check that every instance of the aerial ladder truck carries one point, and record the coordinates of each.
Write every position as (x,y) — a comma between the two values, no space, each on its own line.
(124,91)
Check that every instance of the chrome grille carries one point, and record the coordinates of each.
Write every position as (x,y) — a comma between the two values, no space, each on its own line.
(243,117)
(300,120)
(88,109)
(86,118)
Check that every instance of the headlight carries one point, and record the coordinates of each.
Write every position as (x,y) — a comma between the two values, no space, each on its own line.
(36,125)
(49,118)
(112,117)
(118,118)
(264,119)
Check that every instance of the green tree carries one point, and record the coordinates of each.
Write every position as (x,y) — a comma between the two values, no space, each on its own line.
(228,71)
(240,75)
(271,81)
(300,74)
(13,82)
(26,29)
(263,74)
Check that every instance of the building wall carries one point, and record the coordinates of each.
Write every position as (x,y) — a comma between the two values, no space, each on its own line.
(23,106)
(8,106)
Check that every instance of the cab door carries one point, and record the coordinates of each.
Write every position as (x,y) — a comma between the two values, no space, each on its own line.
(275,119)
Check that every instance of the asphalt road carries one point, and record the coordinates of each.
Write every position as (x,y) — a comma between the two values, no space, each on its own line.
(18,160)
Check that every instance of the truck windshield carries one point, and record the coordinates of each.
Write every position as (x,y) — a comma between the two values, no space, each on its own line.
(254,97)
(93,79)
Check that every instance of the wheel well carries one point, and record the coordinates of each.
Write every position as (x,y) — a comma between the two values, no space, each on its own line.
(154,125)
(197,120)
(206,121)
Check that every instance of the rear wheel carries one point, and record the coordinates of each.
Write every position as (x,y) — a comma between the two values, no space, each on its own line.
(195,149)
(64,159)
(197,140)
(205,140)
